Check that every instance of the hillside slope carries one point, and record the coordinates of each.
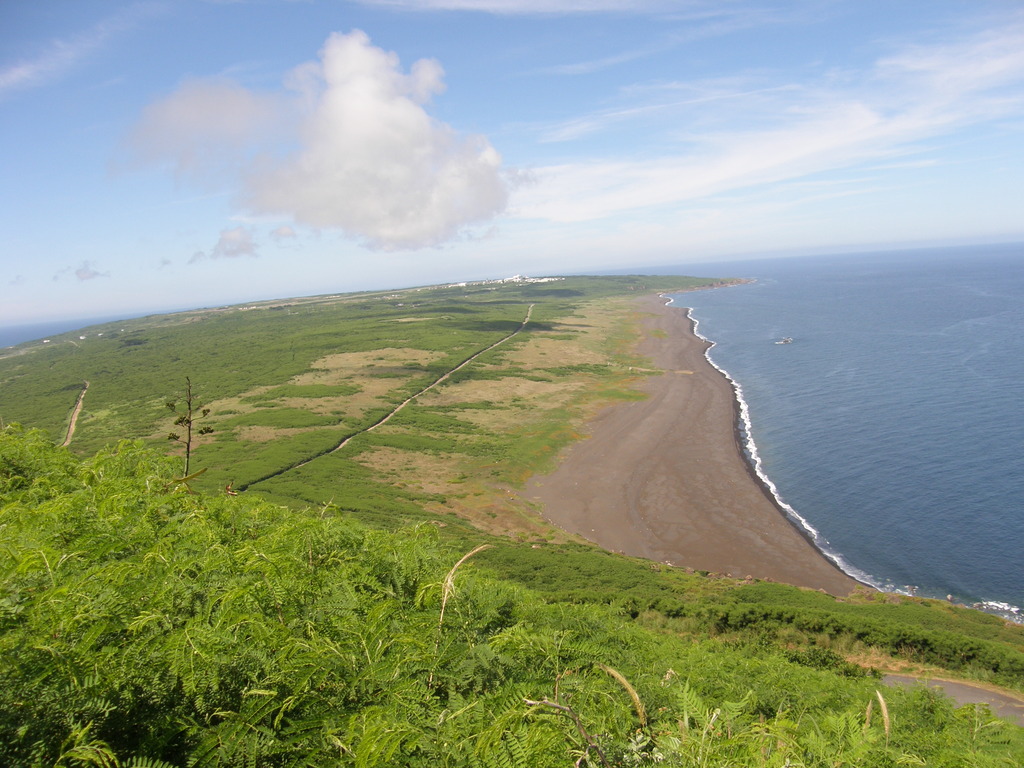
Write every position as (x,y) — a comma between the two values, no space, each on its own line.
(143,624)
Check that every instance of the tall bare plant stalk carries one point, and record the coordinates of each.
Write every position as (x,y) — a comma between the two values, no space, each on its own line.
(446,593)
(187,420)
(641,711)
(885,716)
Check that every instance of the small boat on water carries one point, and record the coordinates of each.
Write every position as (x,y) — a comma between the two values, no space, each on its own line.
(785,340)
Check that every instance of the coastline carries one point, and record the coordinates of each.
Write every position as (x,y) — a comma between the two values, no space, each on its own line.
(667,478)
(745,443)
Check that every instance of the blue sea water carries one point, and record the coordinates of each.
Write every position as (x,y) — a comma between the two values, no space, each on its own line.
(893,424)
(11,335)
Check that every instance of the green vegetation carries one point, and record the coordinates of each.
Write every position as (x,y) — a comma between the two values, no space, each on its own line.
(270,370)
(920,632)
(297,603)
(144,625)
(286,383)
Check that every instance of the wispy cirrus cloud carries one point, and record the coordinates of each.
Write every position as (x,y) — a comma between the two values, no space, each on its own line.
(690,22)
(671,98)
(596,65)
(888,111)
(62,55)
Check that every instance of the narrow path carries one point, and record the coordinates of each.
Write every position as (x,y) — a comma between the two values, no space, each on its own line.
(385,419)
(1006,705)
(429,387)
(74,415)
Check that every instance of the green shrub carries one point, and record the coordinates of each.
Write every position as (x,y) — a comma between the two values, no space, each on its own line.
(142,624)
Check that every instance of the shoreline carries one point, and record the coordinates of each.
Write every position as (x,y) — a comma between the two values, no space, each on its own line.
(746,445)
(668,478)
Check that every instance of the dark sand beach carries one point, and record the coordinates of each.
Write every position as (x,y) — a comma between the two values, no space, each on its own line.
(665,478)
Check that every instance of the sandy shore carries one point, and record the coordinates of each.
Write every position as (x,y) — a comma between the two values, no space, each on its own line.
(665,478)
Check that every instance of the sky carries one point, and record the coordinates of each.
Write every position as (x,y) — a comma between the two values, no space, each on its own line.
(171,154)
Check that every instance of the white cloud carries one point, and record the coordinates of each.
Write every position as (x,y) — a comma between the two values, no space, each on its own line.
(83,272)
(234,243)
(205,128)
(370,159)
(231,244)
(374,162)
(890,111)
(284,232)
(63,55)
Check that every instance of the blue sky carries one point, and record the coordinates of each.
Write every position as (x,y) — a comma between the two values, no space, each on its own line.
(159,155)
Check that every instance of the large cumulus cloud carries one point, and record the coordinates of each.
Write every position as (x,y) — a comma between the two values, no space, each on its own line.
(373,161)
(364,154)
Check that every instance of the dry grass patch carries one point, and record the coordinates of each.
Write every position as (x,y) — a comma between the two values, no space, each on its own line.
(489,508)
(497,511)
(357,369)
(423,472)
(266,434)
(498,420)
(545,352)
(234,405)
(372,392)
(594,328)
(499,391)
(347,407)
(514,400)
(322,406)
(346,367)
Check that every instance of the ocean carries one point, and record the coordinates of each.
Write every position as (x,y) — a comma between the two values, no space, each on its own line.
(17,334)
(892,425)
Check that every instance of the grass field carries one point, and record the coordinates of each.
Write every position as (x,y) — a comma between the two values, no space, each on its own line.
(287,382)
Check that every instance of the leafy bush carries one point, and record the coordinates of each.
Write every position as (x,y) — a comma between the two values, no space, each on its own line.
(142,624)
(927,631)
